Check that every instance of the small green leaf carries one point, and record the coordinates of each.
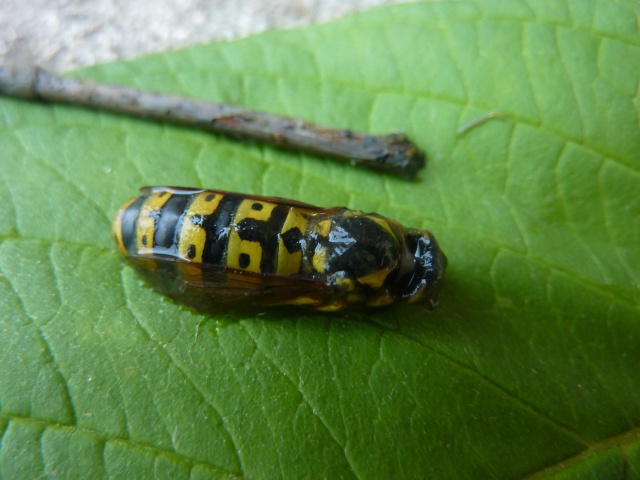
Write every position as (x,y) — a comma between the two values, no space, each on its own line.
(529,366)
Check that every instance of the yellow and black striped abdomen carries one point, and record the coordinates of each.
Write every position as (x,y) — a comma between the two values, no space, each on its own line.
(213,228)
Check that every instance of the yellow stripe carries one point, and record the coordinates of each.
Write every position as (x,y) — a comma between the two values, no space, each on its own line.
(418,296)
(319,260)
(237,246)
(150,209)
(245,210)
(377,278)
(290,263)
(332,306)
(117,227)
(383,222)
(381,300)
(323,228)
(305,300)
(195,235)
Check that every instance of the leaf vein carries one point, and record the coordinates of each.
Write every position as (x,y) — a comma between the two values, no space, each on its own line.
(71,184)
(341,401)
(175,365)
(608,228)
(41,450)
(47,349)
(314,409)
(586,246)
(434,419)
(494,386)
(106,439)
(620,441)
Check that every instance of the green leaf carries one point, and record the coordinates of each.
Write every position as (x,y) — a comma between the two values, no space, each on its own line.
(529,366)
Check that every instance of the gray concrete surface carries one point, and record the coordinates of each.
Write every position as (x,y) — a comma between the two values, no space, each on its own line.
(65,34)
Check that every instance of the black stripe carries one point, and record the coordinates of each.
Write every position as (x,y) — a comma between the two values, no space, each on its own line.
(164,232)
(176,242)
(269,262)
(128,224)
(292,240)
(217,226)
(267,232)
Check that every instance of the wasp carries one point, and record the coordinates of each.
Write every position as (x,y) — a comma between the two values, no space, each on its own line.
(213,249)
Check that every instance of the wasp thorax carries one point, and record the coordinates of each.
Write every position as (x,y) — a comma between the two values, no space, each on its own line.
(363,248)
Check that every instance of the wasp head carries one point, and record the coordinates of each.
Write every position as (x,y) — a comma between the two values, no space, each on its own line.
(421,269)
